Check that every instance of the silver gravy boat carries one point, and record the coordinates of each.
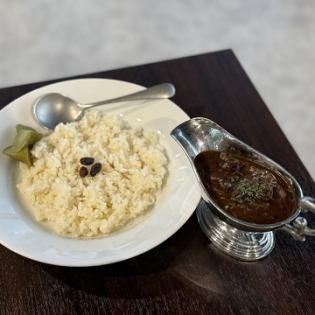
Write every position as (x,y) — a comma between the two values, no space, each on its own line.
(237,238)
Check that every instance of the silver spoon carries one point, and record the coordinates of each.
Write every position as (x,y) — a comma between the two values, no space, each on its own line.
(53,108)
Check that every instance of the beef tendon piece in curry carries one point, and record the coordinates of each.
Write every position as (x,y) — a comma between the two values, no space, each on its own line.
(245,188)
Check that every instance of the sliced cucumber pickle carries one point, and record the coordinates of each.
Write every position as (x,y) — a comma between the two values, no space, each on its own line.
(21,127)
(25,137)
(22,143)
(24,155)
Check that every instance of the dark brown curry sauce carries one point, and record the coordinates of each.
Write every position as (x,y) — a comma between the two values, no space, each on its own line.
(244,188)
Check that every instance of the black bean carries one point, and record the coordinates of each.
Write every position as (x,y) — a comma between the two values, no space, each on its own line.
(87,161)
(96,168)
(83,171)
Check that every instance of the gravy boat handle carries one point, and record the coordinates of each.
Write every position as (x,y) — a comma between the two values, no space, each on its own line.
(299,229)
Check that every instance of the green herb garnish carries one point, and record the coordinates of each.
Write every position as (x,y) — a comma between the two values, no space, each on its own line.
(249,191)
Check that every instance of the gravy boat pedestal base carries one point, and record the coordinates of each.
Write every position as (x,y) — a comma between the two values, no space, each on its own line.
(246,246)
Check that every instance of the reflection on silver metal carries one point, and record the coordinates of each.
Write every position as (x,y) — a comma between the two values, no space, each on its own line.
(240,239)
(299,229)
(242,245)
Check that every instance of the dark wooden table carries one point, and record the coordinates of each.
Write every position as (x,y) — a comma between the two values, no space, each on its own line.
(184,275)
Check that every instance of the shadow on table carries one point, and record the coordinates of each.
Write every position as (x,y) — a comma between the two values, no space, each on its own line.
(154,273)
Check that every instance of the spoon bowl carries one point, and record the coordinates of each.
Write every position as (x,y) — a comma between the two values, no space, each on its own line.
(54,108)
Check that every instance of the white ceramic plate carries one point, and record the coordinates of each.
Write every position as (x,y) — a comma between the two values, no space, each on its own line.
(178,200)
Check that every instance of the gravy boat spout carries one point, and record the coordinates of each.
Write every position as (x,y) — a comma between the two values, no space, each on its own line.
(238,238)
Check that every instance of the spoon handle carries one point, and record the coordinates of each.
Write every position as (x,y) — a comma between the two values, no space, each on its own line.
(160,91)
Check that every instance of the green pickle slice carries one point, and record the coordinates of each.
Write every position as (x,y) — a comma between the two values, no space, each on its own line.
(22,143)
(20,127)
(25,137)
(24,155)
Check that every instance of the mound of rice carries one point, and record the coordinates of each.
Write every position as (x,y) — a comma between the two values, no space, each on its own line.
(134,168)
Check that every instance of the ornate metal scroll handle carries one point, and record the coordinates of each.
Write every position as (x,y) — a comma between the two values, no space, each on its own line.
(299,229)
